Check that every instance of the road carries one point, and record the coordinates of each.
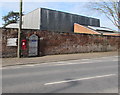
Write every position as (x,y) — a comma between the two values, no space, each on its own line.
(96,75)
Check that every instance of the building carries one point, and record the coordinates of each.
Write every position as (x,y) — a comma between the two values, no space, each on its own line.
(52,20)
(94,30)
(47,32)
(57,21)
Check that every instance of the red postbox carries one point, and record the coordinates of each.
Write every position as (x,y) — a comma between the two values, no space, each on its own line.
(24,44)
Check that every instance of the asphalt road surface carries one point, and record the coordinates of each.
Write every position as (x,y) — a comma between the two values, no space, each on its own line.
(96,75)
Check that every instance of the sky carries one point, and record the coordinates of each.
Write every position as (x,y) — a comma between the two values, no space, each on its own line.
(71,6)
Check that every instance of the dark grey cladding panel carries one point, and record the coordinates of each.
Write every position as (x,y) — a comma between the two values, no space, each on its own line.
(56,21)
(97,22)
(52,20)
(87,22)
(82,20)
(44,19)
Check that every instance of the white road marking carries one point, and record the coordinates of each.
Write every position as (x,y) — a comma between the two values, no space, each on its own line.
(16,67)
(30,65)
(85,59)
(87,78)
(110,56)
(114,60)
(71,62)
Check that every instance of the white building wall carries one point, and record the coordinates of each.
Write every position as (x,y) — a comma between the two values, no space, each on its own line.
(31,20)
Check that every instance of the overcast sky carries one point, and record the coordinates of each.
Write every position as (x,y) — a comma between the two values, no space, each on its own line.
(71,7)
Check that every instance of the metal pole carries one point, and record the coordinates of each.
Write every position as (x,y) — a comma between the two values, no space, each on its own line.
(19,31)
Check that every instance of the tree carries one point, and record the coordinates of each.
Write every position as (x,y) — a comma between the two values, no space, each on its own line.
(109,8)
(11,17)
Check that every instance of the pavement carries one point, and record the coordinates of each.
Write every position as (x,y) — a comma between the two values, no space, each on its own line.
(54,58)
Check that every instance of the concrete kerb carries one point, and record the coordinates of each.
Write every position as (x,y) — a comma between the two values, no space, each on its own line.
(56,58)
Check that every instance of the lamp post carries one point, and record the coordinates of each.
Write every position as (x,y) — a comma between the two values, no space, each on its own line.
(19,31)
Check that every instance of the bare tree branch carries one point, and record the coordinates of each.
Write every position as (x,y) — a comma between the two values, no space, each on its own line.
(110,9)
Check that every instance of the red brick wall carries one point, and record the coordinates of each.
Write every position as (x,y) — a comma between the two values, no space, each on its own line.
(8,51)
(61,43)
